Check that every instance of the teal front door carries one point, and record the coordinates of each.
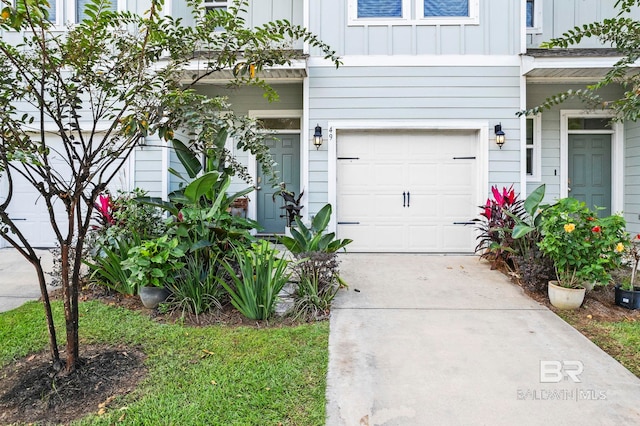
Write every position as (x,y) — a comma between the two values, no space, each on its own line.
(590,170)
(285,150)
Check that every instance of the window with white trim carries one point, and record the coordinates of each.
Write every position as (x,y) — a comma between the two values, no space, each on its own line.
(533,146)
(421,12)
(81,5)
(211,5)
(52,9)
(533,15)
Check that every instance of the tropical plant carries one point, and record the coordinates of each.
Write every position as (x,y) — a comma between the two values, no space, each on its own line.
(292,205)
(311,239)
(497,220)
(89,96)
(262,275)
(154,262)
(107,269)
(584,248)
(196,288)
(317,284)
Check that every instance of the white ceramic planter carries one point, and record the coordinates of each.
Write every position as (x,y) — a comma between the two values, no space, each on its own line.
(565,298)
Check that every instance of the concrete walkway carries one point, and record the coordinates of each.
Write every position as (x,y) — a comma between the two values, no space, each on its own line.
(18,279)
(443,340)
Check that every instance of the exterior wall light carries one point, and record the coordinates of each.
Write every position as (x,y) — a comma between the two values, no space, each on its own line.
(499,135)
(317,137)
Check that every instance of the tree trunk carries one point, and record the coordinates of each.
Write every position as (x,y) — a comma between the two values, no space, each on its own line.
(70,298)
(53,343)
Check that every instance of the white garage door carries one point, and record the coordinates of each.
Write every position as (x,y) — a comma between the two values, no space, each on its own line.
(407,191)
(29,210)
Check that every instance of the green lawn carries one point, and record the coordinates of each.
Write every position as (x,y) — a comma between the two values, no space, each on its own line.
(619,339)
(248,376)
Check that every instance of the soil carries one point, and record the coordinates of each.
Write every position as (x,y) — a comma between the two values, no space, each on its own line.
(32,392)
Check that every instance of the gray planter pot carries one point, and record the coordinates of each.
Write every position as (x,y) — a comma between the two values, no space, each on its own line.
(151,297)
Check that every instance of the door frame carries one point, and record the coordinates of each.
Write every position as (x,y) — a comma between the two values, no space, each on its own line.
(617,152)
(481,129)
(252,166)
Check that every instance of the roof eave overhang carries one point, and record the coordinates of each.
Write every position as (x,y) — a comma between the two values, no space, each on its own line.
(196,69)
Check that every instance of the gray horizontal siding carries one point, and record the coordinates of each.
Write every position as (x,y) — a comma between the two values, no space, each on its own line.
(536,94)
(632,176)
(498,32)
(562,15)
(487,94)
(148,169)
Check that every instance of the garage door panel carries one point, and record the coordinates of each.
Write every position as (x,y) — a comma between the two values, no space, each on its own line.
(438,169)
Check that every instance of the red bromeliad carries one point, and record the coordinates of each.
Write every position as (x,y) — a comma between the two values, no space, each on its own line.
(104,206)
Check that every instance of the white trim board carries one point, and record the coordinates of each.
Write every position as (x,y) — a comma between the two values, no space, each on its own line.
(482,153)
(617,153)
(420,61)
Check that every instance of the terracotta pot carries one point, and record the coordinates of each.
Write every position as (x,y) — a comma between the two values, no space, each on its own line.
(565,298)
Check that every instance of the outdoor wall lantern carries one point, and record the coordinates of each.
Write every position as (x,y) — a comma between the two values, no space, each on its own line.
(499,135)
(317,137)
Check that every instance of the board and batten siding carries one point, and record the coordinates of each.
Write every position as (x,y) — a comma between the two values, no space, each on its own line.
(632,176)
(558,16)
(417,94)
(536,94)
(497,33)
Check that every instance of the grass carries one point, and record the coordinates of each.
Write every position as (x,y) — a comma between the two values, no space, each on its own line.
(620,339)
(247,376)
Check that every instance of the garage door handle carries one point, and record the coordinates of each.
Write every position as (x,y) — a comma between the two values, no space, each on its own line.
(408,198)
(404,199)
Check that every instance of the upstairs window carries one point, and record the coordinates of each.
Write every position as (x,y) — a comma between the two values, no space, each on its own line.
(211,5)
(533,10)
(81,4)
(420,12)
(52,9)
(434,8)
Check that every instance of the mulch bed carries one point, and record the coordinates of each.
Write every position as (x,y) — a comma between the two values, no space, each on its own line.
(32,392)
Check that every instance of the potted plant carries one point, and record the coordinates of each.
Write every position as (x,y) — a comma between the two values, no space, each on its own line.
(627,294)
(583,247)
(154,264)
(291,206)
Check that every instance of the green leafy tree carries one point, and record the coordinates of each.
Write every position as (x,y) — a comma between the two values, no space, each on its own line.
(89,96)
(622,32)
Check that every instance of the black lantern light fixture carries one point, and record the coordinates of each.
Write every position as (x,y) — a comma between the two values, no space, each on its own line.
(317,137)
(499,135)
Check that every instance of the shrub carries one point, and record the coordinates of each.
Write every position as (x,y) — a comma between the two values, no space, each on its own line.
(106,268)
(584,248)
(262,275)
(196,288)
(154,262)
(496,222)
(318,283)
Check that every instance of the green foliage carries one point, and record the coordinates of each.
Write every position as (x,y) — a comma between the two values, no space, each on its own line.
(262,275)
(317,285)
(107,269)
(196,288)
(154,262)
(621,32)
(309,239)
(583,247)
(248,376)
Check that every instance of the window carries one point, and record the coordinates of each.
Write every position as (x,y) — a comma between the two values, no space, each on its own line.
(421,12)
(211,5)
(534,140)
(81,4)
(433,8)
(52,9)
(534,16)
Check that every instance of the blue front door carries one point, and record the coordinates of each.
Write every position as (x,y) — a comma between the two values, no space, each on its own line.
(285,150)
(590,170)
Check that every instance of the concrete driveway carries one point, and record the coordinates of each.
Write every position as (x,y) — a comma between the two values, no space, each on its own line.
(443,340)
(18,279)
